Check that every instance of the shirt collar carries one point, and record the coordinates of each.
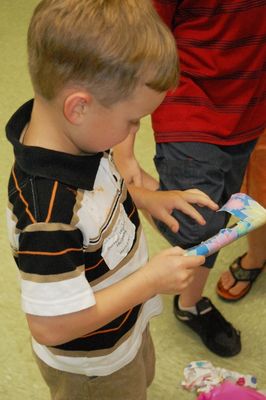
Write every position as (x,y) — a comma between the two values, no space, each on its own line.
(77,171)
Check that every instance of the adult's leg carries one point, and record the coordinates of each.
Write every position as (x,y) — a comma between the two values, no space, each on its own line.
(254,185)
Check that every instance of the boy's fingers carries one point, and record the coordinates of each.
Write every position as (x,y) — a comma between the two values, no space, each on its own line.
(208,203)
(187,209)
(193,262)
(176,251)
(192,212)
(188,262)
(170,221)
(195,196)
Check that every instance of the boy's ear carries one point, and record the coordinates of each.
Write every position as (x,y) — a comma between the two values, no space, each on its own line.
(76,107)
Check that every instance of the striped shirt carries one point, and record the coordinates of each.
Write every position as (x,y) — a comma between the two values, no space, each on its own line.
(74,230)
(221,97)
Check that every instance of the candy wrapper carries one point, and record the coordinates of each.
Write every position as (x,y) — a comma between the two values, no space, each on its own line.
(251,215)
(202,376)
(231,391)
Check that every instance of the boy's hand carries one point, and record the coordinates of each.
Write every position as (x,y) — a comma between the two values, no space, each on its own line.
(161,204)
(170,272)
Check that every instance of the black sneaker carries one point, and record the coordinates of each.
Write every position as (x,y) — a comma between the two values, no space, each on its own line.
(217,334)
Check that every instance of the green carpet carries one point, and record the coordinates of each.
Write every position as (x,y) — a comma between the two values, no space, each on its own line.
(176,346)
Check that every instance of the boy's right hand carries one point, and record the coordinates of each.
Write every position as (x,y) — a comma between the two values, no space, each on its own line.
(170,271)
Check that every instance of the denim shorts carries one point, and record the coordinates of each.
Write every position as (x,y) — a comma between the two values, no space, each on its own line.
(216,170)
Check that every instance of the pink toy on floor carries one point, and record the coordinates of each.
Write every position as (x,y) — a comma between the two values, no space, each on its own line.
(231,391)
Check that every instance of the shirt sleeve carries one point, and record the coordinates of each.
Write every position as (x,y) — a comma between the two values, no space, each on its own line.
(52,270)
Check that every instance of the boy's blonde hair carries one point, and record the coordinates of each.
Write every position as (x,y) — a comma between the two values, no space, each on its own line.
(104,46)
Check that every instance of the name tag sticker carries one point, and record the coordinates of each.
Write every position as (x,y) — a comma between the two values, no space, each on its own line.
(120,240)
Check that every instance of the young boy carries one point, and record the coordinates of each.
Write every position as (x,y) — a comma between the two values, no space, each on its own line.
(87,287)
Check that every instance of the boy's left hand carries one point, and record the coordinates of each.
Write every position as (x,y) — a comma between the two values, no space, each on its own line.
(161,204)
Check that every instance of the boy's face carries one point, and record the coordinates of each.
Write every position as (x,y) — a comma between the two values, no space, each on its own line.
(104,127)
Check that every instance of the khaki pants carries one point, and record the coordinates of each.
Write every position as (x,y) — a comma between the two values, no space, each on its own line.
(129,383)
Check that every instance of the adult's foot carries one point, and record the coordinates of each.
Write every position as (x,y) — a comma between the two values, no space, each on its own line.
(236,282)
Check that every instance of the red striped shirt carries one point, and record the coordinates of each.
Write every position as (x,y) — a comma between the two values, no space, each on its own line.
(222,92)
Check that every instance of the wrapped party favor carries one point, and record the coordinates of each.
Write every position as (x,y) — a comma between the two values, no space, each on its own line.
(250,215)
